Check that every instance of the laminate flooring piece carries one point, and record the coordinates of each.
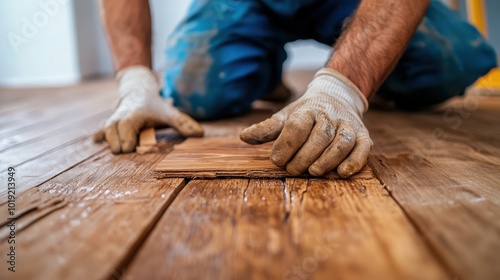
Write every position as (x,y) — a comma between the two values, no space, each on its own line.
(227,157)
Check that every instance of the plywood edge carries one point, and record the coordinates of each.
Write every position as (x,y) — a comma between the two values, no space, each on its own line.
(365,173)
(147,141)
(228,157)
(147,137)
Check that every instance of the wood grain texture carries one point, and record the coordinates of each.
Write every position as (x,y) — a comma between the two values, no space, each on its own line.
(38,170)
(94,209)
(443,169)
(227,157)
(51,108)
(86,214)
(147,137)
(99,220)
(293,229)
(23,150)
(45,131)
(147,141)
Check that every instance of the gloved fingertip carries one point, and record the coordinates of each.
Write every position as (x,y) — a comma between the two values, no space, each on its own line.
(357,159)
(347,169)
(265,131)
(278,160)
(194,133)
(115,150)
(248,135)
(315,170)
(196,130)
(188,127)
(98,137)
(128,146)
(294,170)
(113,138)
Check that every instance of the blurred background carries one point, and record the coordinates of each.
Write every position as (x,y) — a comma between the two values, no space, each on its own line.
(60,42)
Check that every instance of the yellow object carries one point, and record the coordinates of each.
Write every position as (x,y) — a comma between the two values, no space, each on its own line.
(475,14)
(492,79)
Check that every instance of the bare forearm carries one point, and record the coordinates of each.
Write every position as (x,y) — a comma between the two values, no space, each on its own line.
(377,35)
(128,29)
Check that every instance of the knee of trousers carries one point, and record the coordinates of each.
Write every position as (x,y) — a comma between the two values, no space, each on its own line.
(436,67)
(217,91)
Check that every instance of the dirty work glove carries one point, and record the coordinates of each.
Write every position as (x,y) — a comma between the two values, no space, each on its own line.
(320,131)
(141,106)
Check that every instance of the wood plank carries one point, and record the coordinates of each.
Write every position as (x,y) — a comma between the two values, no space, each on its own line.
(265,229)
(364,224)
(38,170)
(226,156)
(17,95)
(204,215)
(297,229)
(11,96)
(40,152)
(33,148)
(26,100)
(30,214)
(34,110)
(106,215)
(442,168)
(36,100)
(147,141)
(34,126)
(147,137)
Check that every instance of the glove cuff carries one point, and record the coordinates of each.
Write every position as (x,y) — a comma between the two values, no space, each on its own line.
(137,78)
(331,82)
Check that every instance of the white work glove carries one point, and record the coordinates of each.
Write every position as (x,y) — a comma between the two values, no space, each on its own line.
(141,106)
(320,131)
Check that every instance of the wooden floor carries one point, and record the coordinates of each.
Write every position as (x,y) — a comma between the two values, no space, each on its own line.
(432,210)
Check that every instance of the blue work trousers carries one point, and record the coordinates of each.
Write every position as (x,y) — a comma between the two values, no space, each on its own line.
(227,53)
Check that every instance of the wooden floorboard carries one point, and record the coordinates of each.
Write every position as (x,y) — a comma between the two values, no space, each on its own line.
(293,229)
(33,172)
(42,149)
(86,222)
(443,169)
(83,213)
(46,118)
(21,148)
(18,102)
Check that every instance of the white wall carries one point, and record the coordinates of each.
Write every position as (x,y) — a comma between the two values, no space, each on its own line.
(37,45)
(166,15)
(307,54)
(93,52)
(63,41)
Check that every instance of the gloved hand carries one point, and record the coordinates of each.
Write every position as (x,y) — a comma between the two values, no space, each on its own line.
(141,106)
(320,131)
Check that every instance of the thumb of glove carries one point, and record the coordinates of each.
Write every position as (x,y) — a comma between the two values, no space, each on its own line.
(265,131)
(187,126)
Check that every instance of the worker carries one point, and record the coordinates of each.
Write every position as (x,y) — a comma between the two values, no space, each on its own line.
(226,54)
